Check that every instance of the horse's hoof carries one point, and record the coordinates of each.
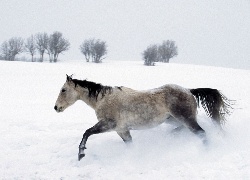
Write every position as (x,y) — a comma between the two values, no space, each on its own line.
(80,156)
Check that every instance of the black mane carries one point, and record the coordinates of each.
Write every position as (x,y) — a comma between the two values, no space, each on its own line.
(94,88)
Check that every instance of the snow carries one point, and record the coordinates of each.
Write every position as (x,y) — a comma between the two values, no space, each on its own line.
(38,143)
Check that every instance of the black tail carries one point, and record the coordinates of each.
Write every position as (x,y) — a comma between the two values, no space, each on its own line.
(215,103)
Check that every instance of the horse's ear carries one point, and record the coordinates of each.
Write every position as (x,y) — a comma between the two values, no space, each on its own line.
(69,78)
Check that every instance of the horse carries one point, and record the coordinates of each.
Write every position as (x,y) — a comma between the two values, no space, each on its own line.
(122,109)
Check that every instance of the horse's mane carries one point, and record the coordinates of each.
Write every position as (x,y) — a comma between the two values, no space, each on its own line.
(94,88)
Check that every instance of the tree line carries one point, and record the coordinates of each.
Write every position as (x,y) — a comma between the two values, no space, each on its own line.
(52,45)
(94,50)
(40,43)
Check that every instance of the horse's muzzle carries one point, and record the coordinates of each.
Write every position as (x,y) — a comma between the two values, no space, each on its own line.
(57,109)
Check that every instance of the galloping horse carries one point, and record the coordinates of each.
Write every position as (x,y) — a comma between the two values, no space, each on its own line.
(122,109)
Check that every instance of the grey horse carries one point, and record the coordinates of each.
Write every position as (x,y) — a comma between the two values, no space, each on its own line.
(122,109)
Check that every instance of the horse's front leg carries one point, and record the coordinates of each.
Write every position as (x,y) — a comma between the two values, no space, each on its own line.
(125,135)
(101,127)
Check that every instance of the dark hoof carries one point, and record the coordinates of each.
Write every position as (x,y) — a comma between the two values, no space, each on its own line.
(80,156)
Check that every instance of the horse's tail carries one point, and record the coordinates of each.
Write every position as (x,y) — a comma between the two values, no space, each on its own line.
(215,104)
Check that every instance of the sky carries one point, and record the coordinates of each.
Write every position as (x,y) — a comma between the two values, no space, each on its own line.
(206,32)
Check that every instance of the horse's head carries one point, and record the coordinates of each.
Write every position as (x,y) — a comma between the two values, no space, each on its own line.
(67,96)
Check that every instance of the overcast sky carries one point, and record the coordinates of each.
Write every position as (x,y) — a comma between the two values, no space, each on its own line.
(211,32)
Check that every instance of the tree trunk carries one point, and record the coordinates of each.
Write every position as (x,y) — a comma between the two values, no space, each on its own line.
(55,59)
(12,58)
(41,60)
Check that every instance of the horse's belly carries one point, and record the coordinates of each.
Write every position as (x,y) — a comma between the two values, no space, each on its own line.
(142,125)
(143,121)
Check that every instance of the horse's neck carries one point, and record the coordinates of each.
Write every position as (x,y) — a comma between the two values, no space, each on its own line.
(90,101)
(93,101)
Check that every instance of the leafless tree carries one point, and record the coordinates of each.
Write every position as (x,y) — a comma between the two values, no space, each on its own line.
(95,49)
(12,47)
(42,40)
(5,51)
(86,48)
(31,46)
(56,45)
(167,50)
(99,50)
(50,50)
(16,46)
(150,55)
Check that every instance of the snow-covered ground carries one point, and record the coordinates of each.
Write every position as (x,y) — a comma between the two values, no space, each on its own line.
(38,143)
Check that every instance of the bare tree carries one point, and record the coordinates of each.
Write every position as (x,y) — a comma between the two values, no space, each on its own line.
(16,46)
(150,55)
(42,40)
(50,50)
(31,46)
(99,50)
(86,48)
(56,45)
(5,51)
(12,47)
(95,49)
(167,50)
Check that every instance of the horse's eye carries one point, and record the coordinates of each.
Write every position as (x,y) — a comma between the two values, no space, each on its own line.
(63,90)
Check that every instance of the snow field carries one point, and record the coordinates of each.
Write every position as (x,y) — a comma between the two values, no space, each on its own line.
(38,143)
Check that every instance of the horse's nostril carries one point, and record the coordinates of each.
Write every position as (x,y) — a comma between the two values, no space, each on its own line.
(55,108)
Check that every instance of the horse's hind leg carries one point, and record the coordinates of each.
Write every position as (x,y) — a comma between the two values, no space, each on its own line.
(194,127)
(125,135)
(175,122)
(191,123)
(186,114)
(178,129)
(101,127)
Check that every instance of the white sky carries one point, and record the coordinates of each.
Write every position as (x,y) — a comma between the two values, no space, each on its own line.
(208,32)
